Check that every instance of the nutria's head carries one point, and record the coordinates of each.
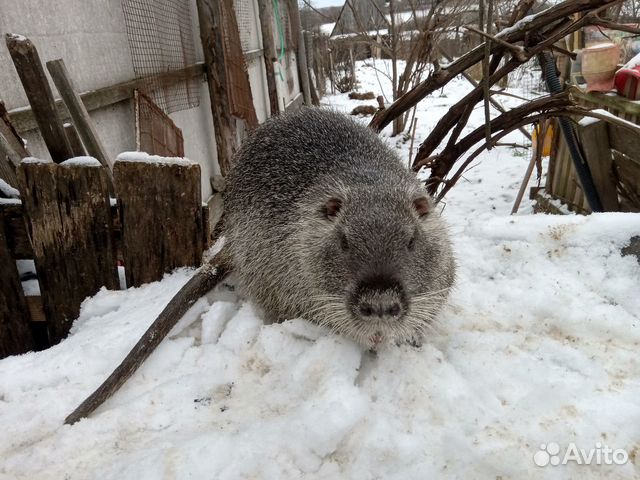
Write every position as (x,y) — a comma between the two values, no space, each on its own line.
(379,260)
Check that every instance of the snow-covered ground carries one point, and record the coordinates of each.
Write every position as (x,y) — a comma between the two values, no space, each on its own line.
(539,346)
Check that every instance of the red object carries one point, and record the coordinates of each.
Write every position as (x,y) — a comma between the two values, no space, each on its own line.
(627,82)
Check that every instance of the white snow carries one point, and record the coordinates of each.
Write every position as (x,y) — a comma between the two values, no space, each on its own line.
(617,120)
(586,121)
(523,22)
(83,161)
(327,28)
(7,190)
(35,160)
(30,286)
(539,344)
(17,37)
(144,157)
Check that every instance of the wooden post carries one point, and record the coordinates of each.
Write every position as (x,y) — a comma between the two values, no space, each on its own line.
(79,114)
(313,89)
(265,8)
(68,209)
(8,159)
(162,226)
(301,52)
(15,334)
(36,86)
(535,156)
(333,85)
(12,217)
(594,139)
(10,134)
(353,67)
(224,125)
(11,149)
(74,140)
(319,63)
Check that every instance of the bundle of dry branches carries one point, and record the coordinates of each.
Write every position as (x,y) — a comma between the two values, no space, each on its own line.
(525,38)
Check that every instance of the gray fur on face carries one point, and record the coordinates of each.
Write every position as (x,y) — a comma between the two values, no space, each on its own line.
(323,222)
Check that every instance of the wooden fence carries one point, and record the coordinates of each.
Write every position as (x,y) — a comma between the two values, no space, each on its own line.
(76,233)
(612,153)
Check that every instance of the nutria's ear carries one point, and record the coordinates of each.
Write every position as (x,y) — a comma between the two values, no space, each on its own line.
(331,208)
(422,206)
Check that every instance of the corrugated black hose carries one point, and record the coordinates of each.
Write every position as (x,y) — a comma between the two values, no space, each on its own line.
(579,162)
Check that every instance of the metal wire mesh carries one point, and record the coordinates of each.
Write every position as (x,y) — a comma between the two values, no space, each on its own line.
(156,133)
(243,17)
(240,97)
(160,35)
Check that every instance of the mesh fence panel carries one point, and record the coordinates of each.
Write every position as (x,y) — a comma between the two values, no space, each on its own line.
(160,35)
(243,17)
(240,96)
(156,132)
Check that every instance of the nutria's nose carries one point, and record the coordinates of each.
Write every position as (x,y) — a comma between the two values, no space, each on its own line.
(379,297)
(381,309)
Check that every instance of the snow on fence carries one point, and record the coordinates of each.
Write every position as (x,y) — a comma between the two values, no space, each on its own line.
(76,233)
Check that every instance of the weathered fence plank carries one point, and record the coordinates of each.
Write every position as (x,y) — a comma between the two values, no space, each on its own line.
(594,138)
(628,173)
(9,132)
(210,17)
(16,231)
(265,8)
(624,141)
(74,140)
(69,212)
(15,334)
(162,224)
(36,86)
(8,159)
(79,114)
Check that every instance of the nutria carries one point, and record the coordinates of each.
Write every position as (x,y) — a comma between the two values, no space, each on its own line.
(322,221)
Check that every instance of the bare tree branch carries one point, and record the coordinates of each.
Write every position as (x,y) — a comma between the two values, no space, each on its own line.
(517,50)
(551,23)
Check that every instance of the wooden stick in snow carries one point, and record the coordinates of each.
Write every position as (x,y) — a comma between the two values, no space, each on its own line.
(536,155)
(202,282)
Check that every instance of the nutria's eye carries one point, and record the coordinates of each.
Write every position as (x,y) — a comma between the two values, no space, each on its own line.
(332,207)
(344,244)
(422,206)
(412,243)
